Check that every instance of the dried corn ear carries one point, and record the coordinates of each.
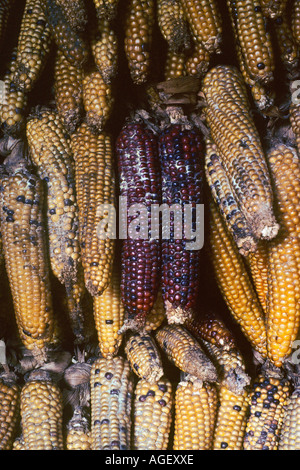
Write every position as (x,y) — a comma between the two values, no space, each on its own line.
(106,9)
(152,411)
(258,265)
(295,21)
(98,100)
(198,61)
(111,401)
(144,356)
(288,47)
(157,314)
(104,45)
(174,65)
(75,13)
(173,25)
(289,435)
(95,192)
(9,409)
(78,432)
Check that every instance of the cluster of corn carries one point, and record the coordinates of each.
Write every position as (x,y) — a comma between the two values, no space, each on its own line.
(107,347)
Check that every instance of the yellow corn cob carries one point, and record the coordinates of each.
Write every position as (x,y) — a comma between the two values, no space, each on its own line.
(41,413)
(222,194)
(157,315)
(106,9)
(185,352)
(205,22)
(228,116)
(268,399)
(198,62)
(19,444)
(173,24)
(289,435)
(258,265)
(78,434)
(51,154)
(26,259)
(111,400)
(75,13)
(33,46)
(295,21)
(231,419)
(104,45)
(152,409)
(144,356)
(140,19)
(174,65)
(294,115)
(97,100)
(255,42)
(195,415)
(283,303)
(75,292)
(273,8)
(235,284)
(109,313)
(68,92)
(9,409)
(287,46)
(95,189)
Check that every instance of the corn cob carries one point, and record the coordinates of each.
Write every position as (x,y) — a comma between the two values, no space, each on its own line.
(109,315)
(198,62)
(26,261)
(9,409)
(258,55)
(287,46)
(67,40)
(33,46)
(295,21)
(140,256)
(5,9)
(174,65)
(258,265)
(68,92)
(205,23)
(273,8)
(144,356)
(283,308)
(75,13)
(173,24)
(152,410)
(41,412)
(13,103)
(106,9)
(222,194)
(157,314)
(104,45)
(182,349)
(51,154)
(75,293)
(140,20)
(111,397)
(97,100)
(231,419)
(195,415)
(95,190)
(294,116)
(19,444)
(289,435)
(180,152)
(243,160)
(268,399)
(235,284)
(78,433)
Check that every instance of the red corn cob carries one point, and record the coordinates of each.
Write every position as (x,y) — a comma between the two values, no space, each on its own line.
(140,183)
(182,183)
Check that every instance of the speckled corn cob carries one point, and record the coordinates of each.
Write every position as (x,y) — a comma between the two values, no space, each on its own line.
(174,65)
(243,160)
(51,154)
(68,92)
(41,413)
(257,52)
(140,19)
(152,410)
(287,46)
(136,151)
(228,206)
(9,409)
(235,284)
(273,8)
(108,313)
(26,259)
(33,46)
(65,37)
(290,435)
(268,399)
(197,63)
(78,433)
(75,13)
(144,356)
(283,308)
(106,9)
(185,352)
(173,25)
(205,22)
(195,415)
(104,45)
(180,153)
(111,400)
(95,190)
(157,314)
(231,419)
(98,101)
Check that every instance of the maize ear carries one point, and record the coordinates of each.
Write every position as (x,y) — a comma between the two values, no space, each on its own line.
(9,409)
(104,45)
(106,9)
(75,13)
(98,101)
(144,356)
(289,435)
(173,25)
(78,433)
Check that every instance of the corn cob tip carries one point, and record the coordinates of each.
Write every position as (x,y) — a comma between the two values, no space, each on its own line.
(177,315)
(264,224)
(237,380)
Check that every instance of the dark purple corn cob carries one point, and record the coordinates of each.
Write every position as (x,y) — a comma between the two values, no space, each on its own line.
(181,158)
(140,183)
